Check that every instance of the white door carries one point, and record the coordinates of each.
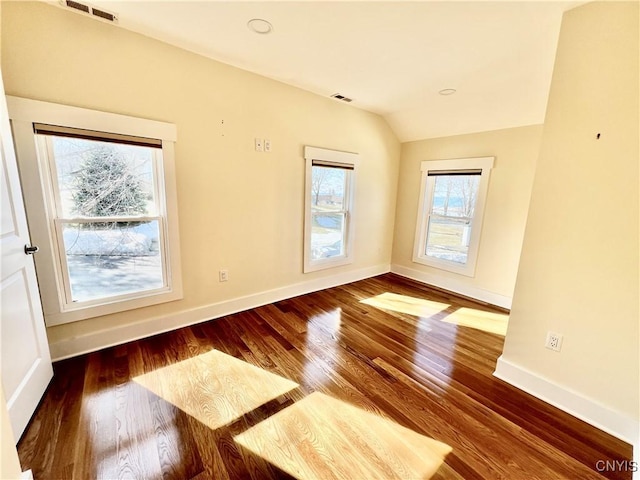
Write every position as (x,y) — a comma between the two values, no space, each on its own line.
(26,362)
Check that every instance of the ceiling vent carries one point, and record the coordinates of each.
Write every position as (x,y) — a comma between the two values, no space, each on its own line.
(87,9)
(341,97)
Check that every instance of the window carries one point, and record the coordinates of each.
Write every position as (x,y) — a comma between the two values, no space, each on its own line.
(328,211)
(100,198)
(452,199)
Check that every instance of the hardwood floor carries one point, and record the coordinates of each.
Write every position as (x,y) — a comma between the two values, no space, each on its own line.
(122,412)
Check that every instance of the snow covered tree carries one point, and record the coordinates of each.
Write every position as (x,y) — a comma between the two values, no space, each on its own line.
(106,187)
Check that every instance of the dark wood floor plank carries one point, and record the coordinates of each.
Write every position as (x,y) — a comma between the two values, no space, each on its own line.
(95,446)
(496,429)
(211,458)
(433,377)
(137,443)
(55,419)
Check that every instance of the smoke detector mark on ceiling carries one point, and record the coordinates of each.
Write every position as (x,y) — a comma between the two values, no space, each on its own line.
(88,9)
(341,97)
(260,26)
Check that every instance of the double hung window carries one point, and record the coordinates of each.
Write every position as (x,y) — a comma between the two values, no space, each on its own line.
(106,212)
(108,234)
(328,218)
(452,200)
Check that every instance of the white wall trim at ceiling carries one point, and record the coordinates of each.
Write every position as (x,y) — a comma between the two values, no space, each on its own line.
(613,422)
(453,285)
(126,333)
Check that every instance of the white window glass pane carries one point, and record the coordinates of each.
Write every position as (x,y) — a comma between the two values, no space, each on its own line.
(114,258)
(98,179)
(327,235)
(328,189)
(455,195)
(452,209)
(448,239)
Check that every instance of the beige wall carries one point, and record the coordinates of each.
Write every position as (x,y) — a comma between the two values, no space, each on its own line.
(239,209)
(516,151)
(579,268)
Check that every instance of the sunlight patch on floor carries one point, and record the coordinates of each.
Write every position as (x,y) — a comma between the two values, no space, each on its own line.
(321,437)
(406,304)
(214,387)
(464,317)
(480,320)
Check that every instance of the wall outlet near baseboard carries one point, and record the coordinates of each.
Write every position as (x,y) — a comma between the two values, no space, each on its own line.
(554,341)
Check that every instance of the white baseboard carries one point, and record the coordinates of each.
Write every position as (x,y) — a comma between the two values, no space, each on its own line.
(615,423)
(26,475)
(453,285)
(118,335)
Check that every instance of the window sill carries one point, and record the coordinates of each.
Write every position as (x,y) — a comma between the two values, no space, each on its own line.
(113,305)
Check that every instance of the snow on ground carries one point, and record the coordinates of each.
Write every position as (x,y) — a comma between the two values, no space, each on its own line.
(120,241)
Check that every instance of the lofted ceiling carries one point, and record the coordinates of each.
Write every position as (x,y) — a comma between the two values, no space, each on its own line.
(391,58)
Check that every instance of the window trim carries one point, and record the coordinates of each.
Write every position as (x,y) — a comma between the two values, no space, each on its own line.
(484,164)
(337,159)
(40,199)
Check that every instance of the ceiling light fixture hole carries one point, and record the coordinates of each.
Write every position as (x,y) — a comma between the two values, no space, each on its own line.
(259,25)
(447,91)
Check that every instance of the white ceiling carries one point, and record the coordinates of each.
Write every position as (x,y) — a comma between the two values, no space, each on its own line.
(392,58)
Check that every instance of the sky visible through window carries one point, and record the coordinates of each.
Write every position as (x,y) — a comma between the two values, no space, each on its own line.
(451,215)
(328,189)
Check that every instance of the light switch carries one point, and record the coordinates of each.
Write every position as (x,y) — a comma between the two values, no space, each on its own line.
(259,145)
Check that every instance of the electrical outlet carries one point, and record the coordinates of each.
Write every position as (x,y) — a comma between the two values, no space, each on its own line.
(259,145)
(224,275)
(554,341)
(267,145)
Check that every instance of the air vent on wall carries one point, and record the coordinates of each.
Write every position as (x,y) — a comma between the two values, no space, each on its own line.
(90,10)
(78,6)
(102,14)
(341,97)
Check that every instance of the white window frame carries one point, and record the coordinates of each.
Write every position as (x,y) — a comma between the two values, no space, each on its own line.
(427,186)
(39,192)
(348,161)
